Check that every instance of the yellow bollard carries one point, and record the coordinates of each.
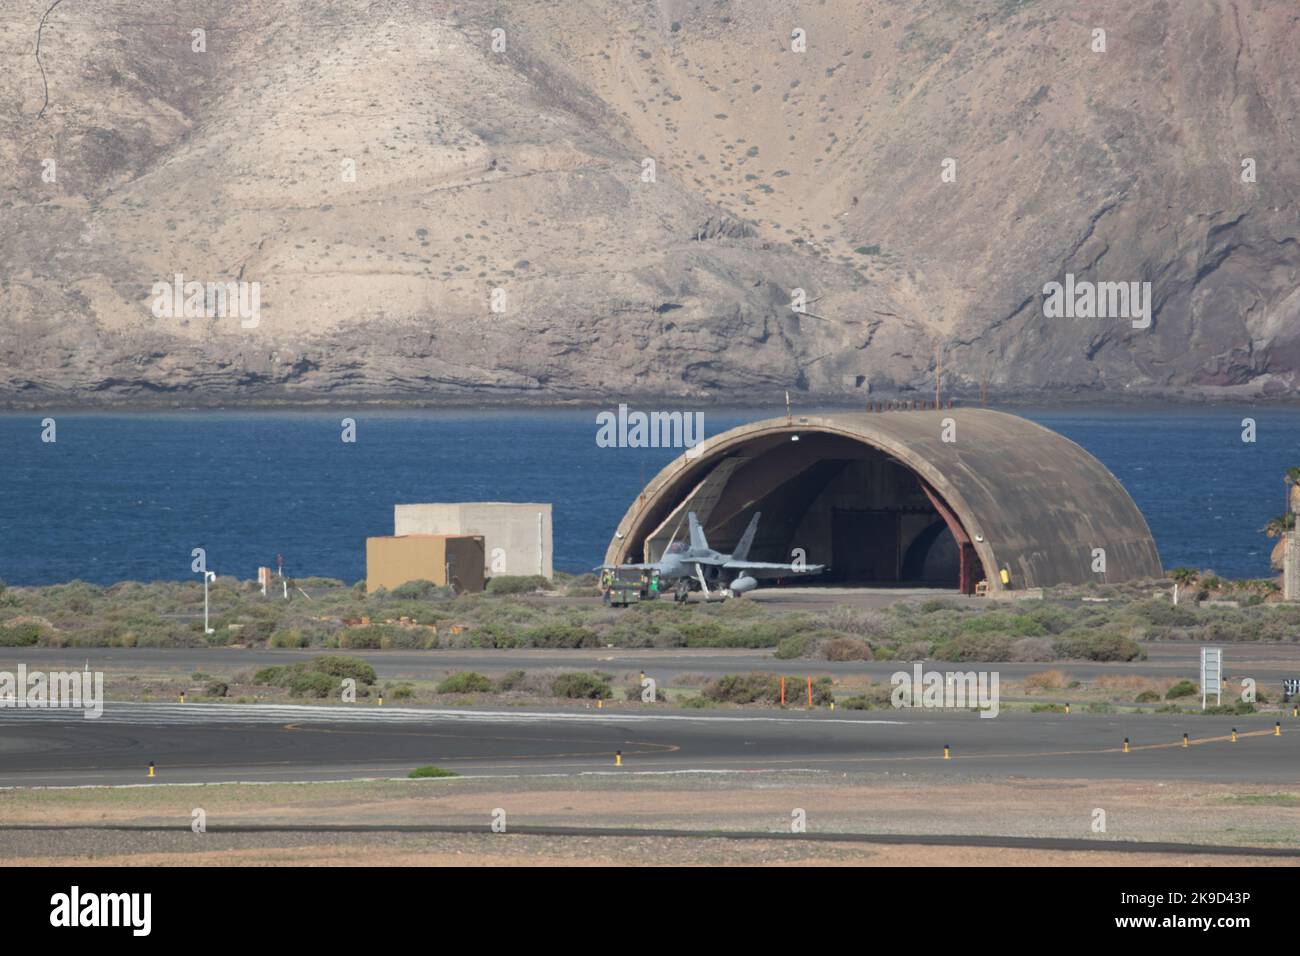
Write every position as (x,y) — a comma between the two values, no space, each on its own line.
(1184,740)
(947,752)
(1234,735)
(1067,706)
(832,705)
(381,700)
(600,703)
(618,758)
(1126,745)
(1295,711)
(182,697)
(1277,728)
(151,768)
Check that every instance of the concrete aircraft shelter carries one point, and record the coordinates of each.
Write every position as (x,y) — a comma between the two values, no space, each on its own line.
(884,500)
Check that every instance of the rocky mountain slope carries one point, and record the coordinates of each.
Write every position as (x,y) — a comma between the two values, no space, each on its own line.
(445,201)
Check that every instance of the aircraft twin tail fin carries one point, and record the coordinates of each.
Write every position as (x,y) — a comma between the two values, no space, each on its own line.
(747,539)
(698,541)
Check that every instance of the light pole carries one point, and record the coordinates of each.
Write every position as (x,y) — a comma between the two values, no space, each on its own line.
(207,576)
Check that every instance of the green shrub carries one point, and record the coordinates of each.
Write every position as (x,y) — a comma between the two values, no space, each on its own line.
(743,688)
(842,649)
(975,647)
(766,689)
(420,590)
(634,689)
(500,636)
(560,634)
(369,637)
(1184,688)
(694,701)
(513,680)
(257,631)
(1164,613)
(1097,647)
(824,645)
(1014,625)
(937,604)
(1236,709)
(793,646)
(431,771)
(290,638)
(312,684)
(277,675)
(21,634)
(217,688)
(319,677)
(517,584)
(340,666)
(579,685)
(465,682)
(318,582)
(1147,697)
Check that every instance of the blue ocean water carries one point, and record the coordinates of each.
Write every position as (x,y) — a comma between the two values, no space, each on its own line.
(127,496)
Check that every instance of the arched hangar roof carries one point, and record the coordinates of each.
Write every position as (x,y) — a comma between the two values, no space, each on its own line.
(1030,500)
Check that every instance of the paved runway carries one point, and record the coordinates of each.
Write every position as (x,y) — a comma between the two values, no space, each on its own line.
(1266,663)
(207,743)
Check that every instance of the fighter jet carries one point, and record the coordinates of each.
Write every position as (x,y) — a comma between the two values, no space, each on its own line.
(684,566)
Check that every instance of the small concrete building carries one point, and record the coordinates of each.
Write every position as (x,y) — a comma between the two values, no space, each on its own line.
(440,558)
(1291,566)
(516,535)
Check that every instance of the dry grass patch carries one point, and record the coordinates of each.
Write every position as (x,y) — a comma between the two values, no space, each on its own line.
(1045,681)
(1129,686)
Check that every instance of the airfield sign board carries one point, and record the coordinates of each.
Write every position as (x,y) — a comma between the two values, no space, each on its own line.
(1211,674)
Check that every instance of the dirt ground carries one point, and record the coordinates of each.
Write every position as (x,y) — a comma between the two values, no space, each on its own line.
(1240,815)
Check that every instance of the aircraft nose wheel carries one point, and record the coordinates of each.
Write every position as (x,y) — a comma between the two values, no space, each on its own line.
(682,592)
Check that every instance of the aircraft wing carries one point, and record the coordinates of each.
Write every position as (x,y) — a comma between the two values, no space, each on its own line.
(764,566)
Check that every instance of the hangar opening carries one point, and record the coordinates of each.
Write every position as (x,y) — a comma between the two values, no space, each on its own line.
(884,499)
(834,500)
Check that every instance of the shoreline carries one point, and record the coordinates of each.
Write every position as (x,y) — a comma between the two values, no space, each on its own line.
(801,405)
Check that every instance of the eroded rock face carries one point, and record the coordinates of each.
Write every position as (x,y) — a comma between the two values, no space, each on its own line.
(622,202)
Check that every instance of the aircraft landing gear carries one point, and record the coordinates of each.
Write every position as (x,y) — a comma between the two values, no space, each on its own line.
(682,592)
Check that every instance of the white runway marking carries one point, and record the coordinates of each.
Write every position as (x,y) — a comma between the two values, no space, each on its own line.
(162,714)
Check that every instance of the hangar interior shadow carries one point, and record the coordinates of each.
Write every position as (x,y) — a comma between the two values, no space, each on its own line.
(844,503)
